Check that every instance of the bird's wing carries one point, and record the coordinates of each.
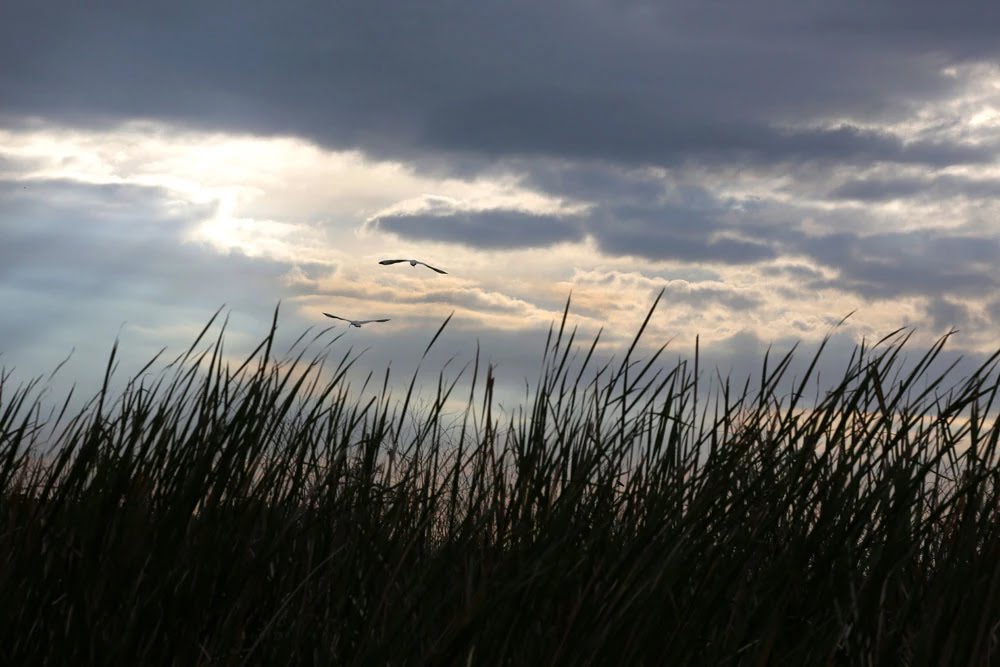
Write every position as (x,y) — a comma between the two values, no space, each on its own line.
(387,262)
(433,268)
(369,321)
(336,318)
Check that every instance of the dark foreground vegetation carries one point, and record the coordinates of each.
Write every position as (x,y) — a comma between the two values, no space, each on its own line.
(266,515)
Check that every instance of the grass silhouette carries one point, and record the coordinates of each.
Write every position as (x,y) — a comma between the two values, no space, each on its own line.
(261,515)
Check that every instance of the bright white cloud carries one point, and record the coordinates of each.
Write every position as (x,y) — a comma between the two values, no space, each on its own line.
(279,197)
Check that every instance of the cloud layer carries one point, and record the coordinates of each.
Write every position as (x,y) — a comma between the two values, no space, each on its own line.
(772,167)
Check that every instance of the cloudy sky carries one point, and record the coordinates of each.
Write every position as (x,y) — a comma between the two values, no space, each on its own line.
(772,165)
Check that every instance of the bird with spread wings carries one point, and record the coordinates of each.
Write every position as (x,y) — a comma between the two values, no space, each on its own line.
(413,262)
(354,323)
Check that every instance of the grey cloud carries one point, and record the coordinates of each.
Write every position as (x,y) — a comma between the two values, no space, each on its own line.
(923,187)
(946,314)
(993,311)
(473,299)
(699,295)
(880,189)
(495,228)
(692,224)
(12,165)
(665,245)
(875,265)
(797,272)
(687,224)
(592,180)
(84,239)
(419,80)
(603,125)
(574,95)
(691,290)
(966,28)
(913,263)
(78,260)
(659,219)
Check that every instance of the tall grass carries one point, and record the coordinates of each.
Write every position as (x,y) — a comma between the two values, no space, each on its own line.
(265,514)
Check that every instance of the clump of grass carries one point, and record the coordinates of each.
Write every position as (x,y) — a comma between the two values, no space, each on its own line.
(265,515)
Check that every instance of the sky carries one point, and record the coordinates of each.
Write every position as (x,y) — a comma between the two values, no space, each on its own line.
(770,165)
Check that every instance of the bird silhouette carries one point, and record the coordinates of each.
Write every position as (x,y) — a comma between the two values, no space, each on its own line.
(354,323)
(413,262)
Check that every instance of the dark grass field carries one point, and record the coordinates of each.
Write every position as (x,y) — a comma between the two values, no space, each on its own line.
(625,515)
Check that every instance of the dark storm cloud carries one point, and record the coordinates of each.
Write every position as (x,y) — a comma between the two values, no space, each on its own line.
(627,81)
(495,229)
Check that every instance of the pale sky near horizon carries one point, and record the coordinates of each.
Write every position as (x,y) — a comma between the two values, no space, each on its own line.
(771,165)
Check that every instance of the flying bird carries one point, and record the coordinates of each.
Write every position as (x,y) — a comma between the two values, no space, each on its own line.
(413,262)
(354,323)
